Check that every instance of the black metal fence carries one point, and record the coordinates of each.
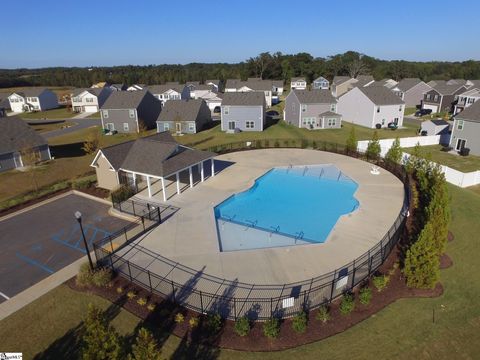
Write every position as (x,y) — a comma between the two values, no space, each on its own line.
(141,208)
(205,293)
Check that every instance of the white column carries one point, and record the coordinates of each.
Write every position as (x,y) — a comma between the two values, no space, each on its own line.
(178,182)
(149,187)
(134,179)
(191,176)
(202,173)
(163,189)
(213,167)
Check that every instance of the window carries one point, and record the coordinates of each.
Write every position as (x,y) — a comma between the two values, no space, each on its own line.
(459,124)
(166,126)
(105,114)
(400,108)
(471,100)
(428,96)
(191,127)
(435,98)
(378,109)
(131,113)
(304,107)
(249,124)
(226,110)
(75,99)
(90,100)
(125,127)
(332,122)
(333,107)
(383,122)
(36,107)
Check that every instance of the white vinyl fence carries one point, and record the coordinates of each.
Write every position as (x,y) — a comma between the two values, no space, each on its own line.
(452,176)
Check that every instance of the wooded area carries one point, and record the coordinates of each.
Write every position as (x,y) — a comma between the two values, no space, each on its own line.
(265,65)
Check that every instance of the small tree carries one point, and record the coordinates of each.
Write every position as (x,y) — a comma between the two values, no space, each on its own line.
(422,261)
(142,128)
(394,154)
(30,158)
(145,347)
(92,143)
(373,148)
(100,340)
(352,143)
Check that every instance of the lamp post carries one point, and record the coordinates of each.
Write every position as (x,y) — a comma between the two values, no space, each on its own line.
(78,216)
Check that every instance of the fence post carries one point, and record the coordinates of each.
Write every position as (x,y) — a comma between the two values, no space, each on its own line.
(235,308)
(173,291)
(353,274)
(150,281)
(369,263)
(271,307)
(133,207)
(148,208)
(201,302)
(143,222)
(125,232)
(381,248)
(159,216)
(111,245)
(333,284)
(129,271)
(120,206)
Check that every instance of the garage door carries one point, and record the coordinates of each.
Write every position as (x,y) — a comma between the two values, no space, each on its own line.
(434,108)
(91,108)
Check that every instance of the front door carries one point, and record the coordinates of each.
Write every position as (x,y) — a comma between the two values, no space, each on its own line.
(231,125)
(178,127)
(460,144)
(395,121)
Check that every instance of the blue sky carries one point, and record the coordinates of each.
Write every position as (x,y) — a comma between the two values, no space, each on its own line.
(116,32)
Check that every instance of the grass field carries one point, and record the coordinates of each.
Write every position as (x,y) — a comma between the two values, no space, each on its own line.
(59,113)
(404,330)
(41,128)
(94,115)
(461,163)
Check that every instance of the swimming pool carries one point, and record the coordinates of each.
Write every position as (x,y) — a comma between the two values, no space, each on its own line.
(286,206)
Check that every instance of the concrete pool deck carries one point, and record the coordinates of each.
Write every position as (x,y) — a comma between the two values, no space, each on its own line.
(190,236)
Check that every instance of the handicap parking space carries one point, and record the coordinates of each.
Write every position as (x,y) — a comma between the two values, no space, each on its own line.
(43,240)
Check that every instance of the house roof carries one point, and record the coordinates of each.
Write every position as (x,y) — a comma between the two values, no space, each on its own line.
(408,83)
(330,114)
(214,81)
(298,79)
(160,89)
(323,96)
(320,78)
(337,80)
(469,92)
(380,95)
(124,99)
(252,83)
(471,113)
(444,89)
(181,110)
(157,155)
(4,102)
(439,122)
(252,98)
(30,92)
(94,91)
(16,134)
(363,80)
(277,83)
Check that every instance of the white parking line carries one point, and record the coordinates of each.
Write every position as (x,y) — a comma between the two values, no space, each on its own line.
(5,296)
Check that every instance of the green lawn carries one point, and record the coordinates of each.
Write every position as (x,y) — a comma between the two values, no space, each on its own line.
(410,110)
(59,113)
(41,128)
(94,115)
(403,330)
(461,163)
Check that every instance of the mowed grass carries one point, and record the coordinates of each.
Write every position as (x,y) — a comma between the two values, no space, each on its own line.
(403,330)
(42,128)
(59,113)
(461,163)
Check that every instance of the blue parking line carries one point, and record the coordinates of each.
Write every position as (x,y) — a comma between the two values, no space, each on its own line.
(94,235)
(68,245)
(34,263)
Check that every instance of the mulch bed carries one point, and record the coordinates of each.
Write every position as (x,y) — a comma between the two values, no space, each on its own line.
(445,261)
(450,236)
(163,315)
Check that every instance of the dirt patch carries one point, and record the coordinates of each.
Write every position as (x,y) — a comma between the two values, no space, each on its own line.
(445,261)
(450,237)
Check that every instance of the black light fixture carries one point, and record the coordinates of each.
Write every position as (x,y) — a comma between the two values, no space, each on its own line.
(78,216)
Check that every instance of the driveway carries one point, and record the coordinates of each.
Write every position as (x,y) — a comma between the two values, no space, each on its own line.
(79,125)
(41,241)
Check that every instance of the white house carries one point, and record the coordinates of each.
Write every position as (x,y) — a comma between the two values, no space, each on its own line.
(213,100)
(371,106)
(33,99)
(298,83)
(89,100)
(170,91)
(466,99)
(321,83)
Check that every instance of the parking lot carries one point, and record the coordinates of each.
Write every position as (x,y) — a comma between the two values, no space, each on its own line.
(43,240)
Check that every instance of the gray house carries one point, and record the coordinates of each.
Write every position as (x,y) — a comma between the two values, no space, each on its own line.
(130,111)
(466,130)
(17,139)
(411,91)
(243,111)
(314,109)
(184,116)
(320,83)
(442,96)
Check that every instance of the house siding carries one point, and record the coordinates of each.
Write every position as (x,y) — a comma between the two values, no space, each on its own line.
(387,114)
(292,109)
(7,162)
(48,100)
(414,96)
(242,114)
(106,178)
(470,133)
(313,111)
(118,117)
(148,110)
(356,108)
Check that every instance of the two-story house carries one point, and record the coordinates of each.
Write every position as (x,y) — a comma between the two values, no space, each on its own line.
(217,84)
(170,91)
(33,99)
(371,106)
(184,116)
(341,84)
(441,97)
(130,111)
(243,111)
(466,130)
(411,91)
(466,99)
(298,83)
(89,100)
(312,109)
(251,85)
(321,83)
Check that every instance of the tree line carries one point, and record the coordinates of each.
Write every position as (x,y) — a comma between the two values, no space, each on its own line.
(266,65)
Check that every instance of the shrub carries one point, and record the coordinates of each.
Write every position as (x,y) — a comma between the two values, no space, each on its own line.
(119,290)
(365,296)
(394,154)
(131,295)
(267,143)
(101,277)
(213,323)
(314,144)
(347,304)
(142,301)
(92,143)
(83,183)
(145,347)
(151,307)
(242,326)
(285,143)
(373,148)
(193,322)
(380,282)
(352,143)
(179,318)
(85,275)
(122,193)
(277,144)
(323,313)
(299,323)
(271,328)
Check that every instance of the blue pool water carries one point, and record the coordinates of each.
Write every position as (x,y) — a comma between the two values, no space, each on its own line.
(303,203)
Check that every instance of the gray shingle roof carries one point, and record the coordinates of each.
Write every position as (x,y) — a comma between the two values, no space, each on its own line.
(408,83)
(471,113)
(444,89)
(124,99)
(4,102)
(158,155)
(30,92)
(337,80)
(160,89)
(93,91)
(253,98)
(323,96)
(15,134)
(184,110)
(380,95)
(330,113)
(298,79)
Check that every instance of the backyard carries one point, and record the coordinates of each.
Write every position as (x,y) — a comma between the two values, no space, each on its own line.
(445,327)
(60,113)
(50,126)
